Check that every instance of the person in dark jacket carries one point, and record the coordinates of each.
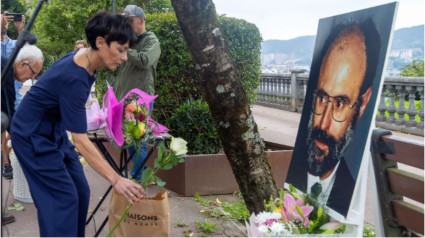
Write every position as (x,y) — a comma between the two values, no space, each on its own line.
(139,71)
(55,105)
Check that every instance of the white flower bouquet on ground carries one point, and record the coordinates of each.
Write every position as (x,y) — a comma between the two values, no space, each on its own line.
(292,215)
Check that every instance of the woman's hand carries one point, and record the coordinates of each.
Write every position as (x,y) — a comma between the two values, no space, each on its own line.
(132,191)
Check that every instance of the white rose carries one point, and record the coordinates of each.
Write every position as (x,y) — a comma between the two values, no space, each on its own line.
(178,145)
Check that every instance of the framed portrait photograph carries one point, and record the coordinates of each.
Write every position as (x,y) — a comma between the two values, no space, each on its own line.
(340,105)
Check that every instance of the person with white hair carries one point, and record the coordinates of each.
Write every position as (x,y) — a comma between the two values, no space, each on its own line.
(27,65)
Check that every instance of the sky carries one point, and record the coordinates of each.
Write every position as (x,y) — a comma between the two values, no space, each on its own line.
(287,19)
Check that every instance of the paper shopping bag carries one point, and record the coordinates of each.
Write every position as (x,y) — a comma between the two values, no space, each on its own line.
(150,217)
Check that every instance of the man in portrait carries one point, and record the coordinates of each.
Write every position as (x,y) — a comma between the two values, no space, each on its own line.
(343,91)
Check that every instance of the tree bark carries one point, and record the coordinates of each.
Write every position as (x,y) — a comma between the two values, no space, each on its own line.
(223,91)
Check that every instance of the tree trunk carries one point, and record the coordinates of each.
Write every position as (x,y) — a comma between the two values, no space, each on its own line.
(223,91)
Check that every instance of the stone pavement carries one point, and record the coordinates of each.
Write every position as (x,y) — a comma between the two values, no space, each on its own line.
(275,125)
(184,209)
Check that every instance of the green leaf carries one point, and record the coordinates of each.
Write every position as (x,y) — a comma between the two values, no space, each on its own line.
(328,232)
(156,164)
(292,188)
(162,151)
(295,230)
(319,212)
(147,177)
(197,197)
(16,206)
(311,226)
(159,181)
(167,166)
(299,210)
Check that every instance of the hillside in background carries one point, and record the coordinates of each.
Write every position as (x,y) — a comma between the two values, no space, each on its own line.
(407,44)
(299,44)
(407,38)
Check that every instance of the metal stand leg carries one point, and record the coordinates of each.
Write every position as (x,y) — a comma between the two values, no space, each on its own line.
(101,227)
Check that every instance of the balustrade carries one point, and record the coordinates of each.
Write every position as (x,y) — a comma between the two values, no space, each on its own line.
(287,92)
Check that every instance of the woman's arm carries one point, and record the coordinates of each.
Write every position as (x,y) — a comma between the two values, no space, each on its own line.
(129,189)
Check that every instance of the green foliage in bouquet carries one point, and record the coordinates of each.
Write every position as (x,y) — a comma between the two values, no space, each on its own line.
(193,122)
(135,127)
(165,161)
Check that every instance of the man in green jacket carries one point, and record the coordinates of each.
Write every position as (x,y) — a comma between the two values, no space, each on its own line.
(139,71)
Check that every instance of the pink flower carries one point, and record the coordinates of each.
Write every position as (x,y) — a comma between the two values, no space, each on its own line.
(294,210)
(128,115)
(269,222)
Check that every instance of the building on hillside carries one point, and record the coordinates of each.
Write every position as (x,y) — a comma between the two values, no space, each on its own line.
(405,54)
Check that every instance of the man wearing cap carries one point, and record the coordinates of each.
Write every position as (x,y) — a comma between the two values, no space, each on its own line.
(139,71)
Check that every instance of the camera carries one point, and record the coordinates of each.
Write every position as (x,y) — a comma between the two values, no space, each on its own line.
(16,16)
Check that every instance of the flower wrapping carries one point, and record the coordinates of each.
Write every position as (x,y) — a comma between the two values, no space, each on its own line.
(290,215)
(110,116)
(96,117)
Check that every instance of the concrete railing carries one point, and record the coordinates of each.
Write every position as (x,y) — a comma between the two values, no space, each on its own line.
(283,91)
(287,92)
(401,85)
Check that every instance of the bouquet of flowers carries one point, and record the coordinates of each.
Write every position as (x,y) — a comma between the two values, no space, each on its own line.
(290,214)
(138,127)
(128,124)
(135,127)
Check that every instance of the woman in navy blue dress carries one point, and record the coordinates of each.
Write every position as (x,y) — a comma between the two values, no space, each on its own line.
(56,104)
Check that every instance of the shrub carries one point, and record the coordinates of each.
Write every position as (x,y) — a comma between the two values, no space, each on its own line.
(177,80)
(244,42)
(176,75)
(101,84)
(193,122)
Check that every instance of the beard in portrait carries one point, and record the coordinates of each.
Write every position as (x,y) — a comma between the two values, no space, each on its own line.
(338,102)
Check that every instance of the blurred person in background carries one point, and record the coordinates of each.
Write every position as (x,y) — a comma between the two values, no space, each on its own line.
(7,47)
(139,71)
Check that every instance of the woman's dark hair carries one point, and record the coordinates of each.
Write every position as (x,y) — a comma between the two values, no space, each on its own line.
(111,27)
